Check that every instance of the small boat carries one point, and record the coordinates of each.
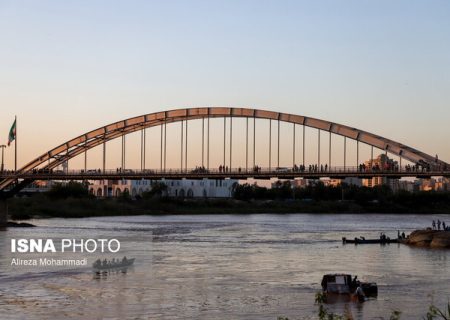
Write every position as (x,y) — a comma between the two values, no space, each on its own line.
(363,240)
(113,264)
(339,284)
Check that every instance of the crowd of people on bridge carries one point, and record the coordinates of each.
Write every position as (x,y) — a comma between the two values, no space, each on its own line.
(376,168)
(200,169)
(394,167)
(419,167)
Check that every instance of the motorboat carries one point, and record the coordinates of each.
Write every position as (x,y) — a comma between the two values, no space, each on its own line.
(340,284)
(362,240)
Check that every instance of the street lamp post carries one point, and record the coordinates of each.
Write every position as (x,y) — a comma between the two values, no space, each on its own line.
(3,153)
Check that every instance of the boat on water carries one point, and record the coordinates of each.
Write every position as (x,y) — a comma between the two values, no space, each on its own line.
(112,264)
(339,285)
(363,240)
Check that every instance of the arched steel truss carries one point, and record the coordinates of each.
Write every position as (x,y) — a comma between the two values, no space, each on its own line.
(91,139)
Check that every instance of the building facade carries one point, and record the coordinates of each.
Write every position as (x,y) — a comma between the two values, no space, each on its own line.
(382,162)
(202,188)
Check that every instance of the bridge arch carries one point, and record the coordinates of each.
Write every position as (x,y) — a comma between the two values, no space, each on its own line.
(91,139)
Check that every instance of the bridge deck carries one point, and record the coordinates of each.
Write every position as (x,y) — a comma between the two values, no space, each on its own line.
(216,174)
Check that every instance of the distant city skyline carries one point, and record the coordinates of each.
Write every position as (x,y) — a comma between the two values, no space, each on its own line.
(70,67)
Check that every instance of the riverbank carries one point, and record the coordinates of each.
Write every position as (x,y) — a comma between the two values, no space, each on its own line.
(43,206)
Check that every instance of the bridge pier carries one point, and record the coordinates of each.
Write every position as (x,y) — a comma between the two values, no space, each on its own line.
(3,214)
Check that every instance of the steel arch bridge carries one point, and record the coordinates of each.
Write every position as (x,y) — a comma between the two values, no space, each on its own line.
(43,166)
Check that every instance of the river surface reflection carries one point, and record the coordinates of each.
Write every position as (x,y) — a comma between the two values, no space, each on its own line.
(223,267)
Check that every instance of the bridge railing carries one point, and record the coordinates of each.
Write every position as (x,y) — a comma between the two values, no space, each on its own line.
(222,170)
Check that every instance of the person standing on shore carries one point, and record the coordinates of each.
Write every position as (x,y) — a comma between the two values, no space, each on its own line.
(434,225)
(439,224)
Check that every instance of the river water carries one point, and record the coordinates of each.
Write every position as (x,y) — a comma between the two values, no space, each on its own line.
(223,267)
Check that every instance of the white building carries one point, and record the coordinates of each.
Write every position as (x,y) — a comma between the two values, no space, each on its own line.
(202,188)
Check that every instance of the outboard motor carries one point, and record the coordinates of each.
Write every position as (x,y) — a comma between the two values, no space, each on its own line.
(370,289)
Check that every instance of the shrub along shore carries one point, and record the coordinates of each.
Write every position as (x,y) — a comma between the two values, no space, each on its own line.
(72,200)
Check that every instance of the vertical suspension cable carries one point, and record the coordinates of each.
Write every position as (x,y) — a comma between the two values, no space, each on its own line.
(318,150)
(231,140)
(203,142)
(293,145)
(85,155)
(124,152)
(104,154)
(303,145)
(345,153)
(121,154)
(224,138)
(145,142)
(186,148)
(165,143)
(278,145)
(270,145)
(329,153)
(246,144)
(357,154)
(142,149)
(182,138)
(254,142)
(207,162)
(161,149)
(371,157)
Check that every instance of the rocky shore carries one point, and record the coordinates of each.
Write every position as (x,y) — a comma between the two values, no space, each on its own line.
(429,238)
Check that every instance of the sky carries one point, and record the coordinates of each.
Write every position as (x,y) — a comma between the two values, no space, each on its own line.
(67,67)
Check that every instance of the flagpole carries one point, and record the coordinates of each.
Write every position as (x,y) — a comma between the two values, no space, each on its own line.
(15,147)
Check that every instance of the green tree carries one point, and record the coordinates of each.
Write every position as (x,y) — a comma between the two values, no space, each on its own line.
(72,189)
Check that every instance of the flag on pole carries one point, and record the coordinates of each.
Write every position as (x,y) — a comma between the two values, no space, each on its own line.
(12,133)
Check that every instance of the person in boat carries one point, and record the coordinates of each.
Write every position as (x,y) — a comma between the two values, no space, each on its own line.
(105,263)
(354,282)
(359,293)
(124,260)
(403,235)
(324,284)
